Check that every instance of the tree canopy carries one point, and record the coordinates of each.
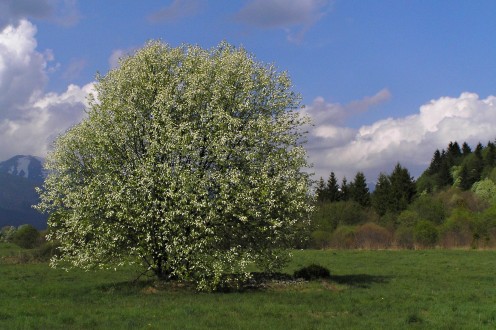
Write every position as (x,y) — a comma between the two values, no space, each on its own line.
(190,161)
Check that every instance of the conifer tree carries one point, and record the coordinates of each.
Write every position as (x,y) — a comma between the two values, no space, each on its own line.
(320,192)
(476,165)
(444,177)
(435,162)
(465,182)
(466,149)
(490,155)
(381,197)
(359,192)
(332,188)
(344,190)
(403,188)
(453,151)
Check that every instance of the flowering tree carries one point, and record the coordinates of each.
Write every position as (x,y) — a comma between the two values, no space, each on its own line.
(189,160)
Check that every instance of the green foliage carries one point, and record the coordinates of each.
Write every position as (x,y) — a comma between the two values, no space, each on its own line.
(381,197)
(312,272)
(456,230)
(346,213)
(345,190)
(428,208)
(344,237)
(426,183)
(394,192)
(201,174)
(324,216)
(320,239)
(359,192)
(320,192)
(328,192)
(26,237)
(485,190)
(332,188)
(408,218)
(461,168)
(7,233)
(425,233)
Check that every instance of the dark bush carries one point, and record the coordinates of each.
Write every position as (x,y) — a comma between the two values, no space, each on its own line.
(26,237)
(320,239)
(425,234)
(46,251)
(312,272)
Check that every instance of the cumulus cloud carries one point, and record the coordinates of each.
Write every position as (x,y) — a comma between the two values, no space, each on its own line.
(42,121)
(409,140)
(22,68)
(29,117)
(63,12)
(296,17)
(176,10)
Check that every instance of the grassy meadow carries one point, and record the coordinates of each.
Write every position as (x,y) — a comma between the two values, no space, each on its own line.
(424,289)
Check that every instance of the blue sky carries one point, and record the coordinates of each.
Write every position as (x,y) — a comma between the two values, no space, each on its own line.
(384,81)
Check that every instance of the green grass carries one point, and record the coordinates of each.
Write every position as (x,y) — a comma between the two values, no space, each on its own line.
(433,289)
(9,249)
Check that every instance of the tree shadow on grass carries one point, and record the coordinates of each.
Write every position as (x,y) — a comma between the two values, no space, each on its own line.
(359,280)
(258,282)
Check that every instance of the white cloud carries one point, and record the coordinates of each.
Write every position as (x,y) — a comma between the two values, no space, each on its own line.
(176,10)
(326,113)
(43,121)
(22,69)
(29,117)
(296,17)
(409,140)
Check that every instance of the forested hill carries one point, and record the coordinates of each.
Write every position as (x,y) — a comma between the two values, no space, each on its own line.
(452,204)
(460,167)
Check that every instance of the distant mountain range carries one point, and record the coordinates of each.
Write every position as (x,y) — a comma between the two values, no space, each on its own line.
(19,176)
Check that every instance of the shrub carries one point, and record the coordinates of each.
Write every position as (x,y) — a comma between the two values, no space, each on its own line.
(485,190)
(312,272)
(347,213)
(26,237)
(404,237)
(408,218)
(389,220)
(372,236)
(344,237)
(455,198)
(320,239)
(429,208)
(46,251)
(456,230)
(425,234)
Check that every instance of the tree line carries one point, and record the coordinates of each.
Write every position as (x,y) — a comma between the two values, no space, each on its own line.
(452,203)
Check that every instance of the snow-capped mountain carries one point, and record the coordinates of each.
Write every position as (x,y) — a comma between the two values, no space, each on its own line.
(28,167)
(19,176)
